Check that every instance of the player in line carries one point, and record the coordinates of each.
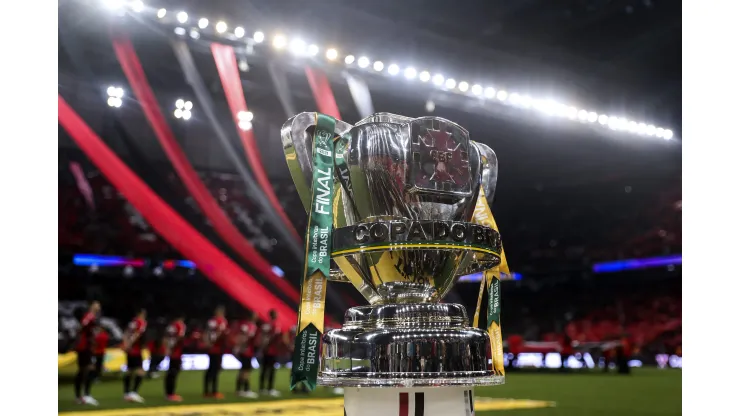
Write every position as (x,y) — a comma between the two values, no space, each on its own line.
(273,340)
(133,345)
(244,350)
(216,338)
(174,340)
(85,361)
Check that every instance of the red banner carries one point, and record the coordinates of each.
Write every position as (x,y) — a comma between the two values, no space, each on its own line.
(208,204)
(225,59)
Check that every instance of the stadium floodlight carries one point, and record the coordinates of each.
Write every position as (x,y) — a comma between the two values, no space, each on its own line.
(115,96)
(258,36)
(239,32)
(137,6)
(393,69)
(331,54)
(245,120)
(450,83)
(313,50)
(667,134)
(363,62)
(502,95)
(476,89)
(182,109)
(592,117)
(438,80)
(490,92)
(603,119)
(298,46)
(161,13)
(409,73)
(182,17)
(425,76)
(378,66)
(349,59)
(279,42)
(463,86)
(194,34)
(583,115)
(180,31)
(203,23)
(221,27)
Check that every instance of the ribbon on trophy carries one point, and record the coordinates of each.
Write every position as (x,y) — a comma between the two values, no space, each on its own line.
(492,284)
(318,257)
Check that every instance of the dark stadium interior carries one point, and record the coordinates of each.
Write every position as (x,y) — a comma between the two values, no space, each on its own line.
(569,195)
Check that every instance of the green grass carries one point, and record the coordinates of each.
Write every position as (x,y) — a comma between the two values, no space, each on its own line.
(645,392)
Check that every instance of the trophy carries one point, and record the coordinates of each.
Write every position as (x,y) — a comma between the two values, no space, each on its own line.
(400,205)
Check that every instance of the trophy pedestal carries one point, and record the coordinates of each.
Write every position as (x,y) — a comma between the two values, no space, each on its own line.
(425,401)
(407,346)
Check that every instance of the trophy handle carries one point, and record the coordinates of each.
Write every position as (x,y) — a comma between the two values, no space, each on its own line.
(297,145)
(489,170)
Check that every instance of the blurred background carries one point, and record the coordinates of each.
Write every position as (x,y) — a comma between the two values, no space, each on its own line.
(580,99)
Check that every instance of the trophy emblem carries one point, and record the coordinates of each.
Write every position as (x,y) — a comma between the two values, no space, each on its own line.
(409,214)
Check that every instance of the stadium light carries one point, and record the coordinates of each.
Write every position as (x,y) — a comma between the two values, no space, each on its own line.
(115,96)
(349,59)
(183,109)
(298,46)
(313,50)
(490,92)
(393,69)
(331,54)
(161,13)
(363,62)
(258,36)
(450,83)
(221,27)
(476,89)
(424,76)
(378,66)
(279,42)
(182,17)
(463,86)
(203,23)
(409,73)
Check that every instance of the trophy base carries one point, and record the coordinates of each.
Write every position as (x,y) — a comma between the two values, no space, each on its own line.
(445,401)
(406,345)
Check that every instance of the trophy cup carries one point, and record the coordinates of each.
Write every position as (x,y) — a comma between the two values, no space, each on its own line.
(402,196)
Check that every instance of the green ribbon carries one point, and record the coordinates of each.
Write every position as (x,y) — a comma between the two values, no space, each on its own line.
(318,257)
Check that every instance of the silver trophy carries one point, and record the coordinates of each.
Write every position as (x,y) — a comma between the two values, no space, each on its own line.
(403,233)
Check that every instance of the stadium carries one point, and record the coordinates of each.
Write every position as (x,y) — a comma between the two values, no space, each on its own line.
(186,230)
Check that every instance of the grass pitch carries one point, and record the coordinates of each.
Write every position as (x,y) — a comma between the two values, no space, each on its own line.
(645,392)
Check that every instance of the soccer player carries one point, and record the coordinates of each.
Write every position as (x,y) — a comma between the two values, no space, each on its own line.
(175,338)
(215,341)
(101,343)
(244,351)
(85,360)
(273,339)
(133,344)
